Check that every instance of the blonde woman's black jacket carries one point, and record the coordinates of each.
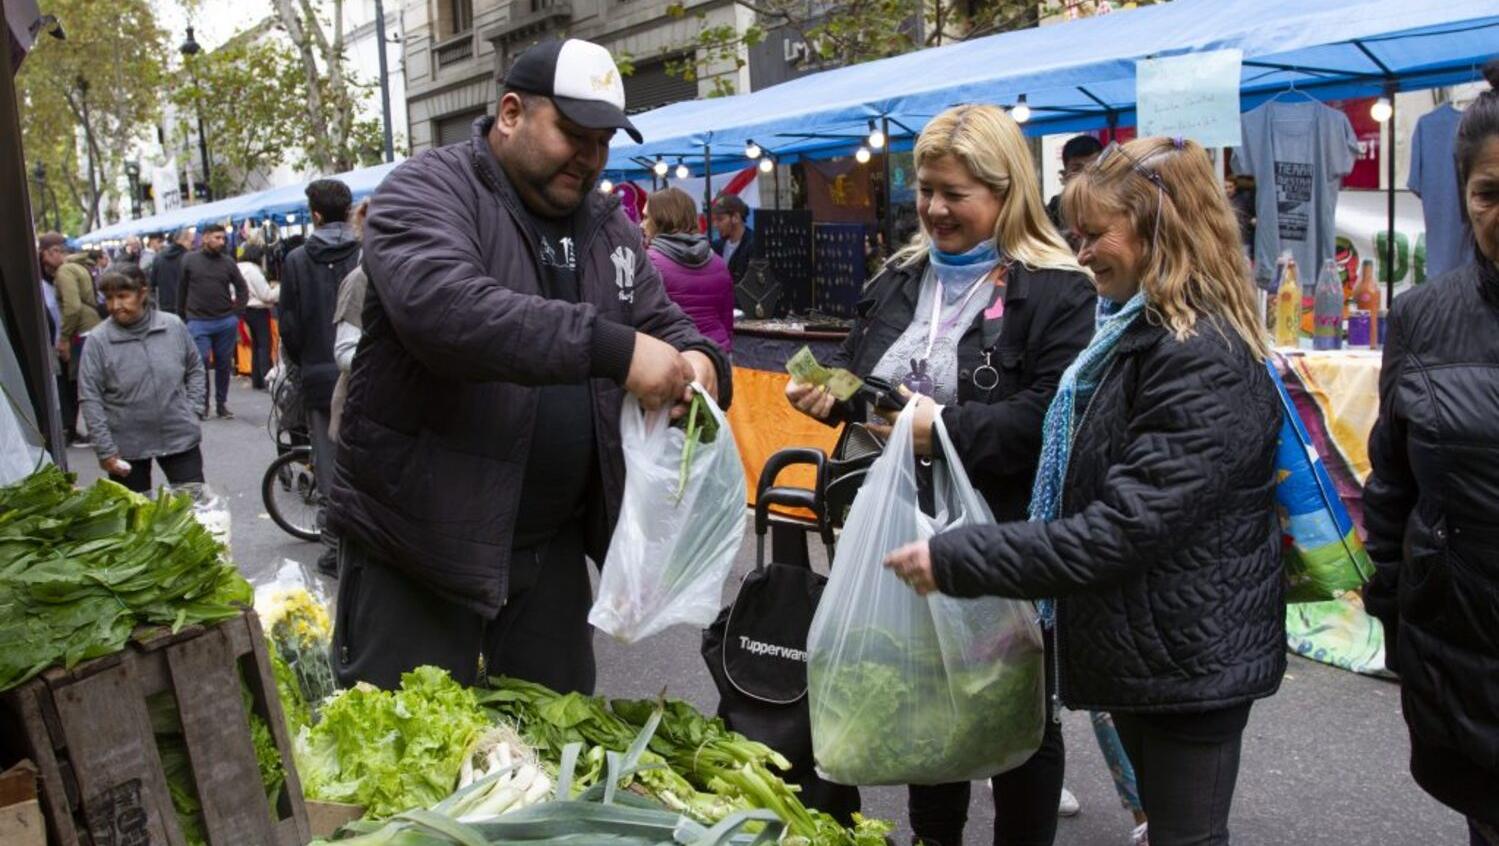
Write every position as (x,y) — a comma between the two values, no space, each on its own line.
(1166,558)
(1431,508)
(1045,321)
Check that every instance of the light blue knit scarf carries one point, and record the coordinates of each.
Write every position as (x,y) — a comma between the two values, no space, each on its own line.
(1078,383)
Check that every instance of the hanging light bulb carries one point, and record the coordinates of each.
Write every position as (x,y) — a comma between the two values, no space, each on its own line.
(876,137)
(660,168)
(752,150)
(862,155)
(1022,111)
(606,187)
(1382,110)
(682,171)
(766,165)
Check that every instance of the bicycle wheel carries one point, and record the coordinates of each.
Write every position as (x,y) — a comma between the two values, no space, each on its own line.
(289,491)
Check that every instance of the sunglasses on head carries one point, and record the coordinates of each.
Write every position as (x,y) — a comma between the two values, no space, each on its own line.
(1153,176)
(1138,166)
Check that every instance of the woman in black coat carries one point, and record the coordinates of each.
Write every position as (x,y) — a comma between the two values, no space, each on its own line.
(983,312)
(1431,504)
(1152,517)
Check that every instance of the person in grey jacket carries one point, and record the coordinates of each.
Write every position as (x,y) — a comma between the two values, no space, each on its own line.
(139,383)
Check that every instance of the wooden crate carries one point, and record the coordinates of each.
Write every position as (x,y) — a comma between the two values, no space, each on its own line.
(90,735)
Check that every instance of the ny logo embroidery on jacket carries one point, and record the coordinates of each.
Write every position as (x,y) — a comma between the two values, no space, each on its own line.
(624,273)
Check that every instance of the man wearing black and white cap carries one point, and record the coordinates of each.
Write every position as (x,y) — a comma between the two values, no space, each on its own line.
(511,307)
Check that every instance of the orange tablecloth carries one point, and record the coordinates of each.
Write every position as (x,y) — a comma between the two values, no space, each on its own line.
(764,422)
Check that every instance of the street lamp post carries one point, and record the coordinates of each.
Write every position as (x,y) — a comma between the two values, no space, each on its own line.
(390,147)
(189,49)
(39,173)
(133,173)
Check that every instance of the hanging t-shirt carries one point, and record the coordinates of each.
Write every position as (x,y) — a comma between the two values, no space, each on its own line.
(1298,154)
(1449,241)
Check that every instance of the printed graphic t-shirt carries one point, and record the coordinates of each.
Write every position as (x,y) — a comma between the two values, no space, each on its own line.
(560,462)
(1298,154)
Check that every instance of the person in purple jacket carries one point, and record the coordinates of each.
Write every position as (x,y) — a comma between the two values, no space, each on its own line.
(697,279)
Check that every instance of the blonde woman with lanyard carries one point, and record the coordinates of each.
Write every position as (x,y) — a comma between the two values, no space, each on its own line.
(1152,520)
(982,312)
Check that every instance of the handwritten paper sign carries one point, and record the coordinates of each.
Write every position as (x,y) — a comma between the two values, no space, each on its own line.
(1194,96)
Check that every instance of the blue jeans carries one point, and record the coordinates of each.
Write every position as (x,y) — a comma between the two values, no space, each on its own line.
(219,336)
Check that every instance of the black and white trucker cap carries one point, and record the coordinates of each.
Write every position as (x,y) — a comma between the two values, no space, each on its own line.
(580,77)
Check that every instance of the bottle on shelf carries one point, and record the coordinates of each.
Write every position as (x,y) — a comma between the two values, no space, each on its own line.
(1309,310)
(1328,308)
(1288,306)
(1366,299)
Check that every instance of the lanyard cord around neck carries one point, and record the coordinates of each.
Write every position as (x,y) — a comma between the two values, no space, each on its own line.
(937,325)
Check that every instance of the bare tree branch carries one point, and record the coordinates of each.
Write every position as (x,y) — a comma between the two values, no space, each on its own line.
(297,32)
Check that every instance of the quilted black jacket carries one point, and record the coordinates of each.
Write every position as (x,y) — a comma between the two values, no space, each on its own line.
(1431,508)
(1166,559)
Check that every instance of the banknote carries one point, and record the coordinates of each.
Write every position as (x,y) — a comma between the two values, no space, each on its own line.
(840,383)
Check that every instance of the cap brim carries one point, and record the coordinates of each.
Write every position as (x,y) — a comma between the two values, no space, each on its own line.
(593,114)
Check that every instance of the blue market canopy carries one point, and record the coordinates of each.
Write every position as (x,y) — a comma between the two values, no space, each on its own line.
(292,199)
(1075,76)
(1080,75)
(273,203)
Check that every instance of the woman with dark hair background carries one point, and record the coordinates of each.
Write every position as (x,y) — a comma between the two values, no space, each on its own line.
(1429,503)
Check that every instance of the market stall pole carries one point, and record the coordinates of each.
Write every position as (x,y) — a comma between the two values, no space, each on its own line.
(708,190)
(1389,245)
(20,288)
(889,226)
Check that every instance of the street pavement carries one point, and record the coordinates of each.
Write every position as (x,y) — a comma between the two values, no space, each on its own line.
(1324,761)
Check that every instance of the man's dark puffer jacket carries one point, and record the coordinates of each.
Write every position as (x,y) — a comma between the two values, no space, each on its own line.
(1432,511)
(1166,561)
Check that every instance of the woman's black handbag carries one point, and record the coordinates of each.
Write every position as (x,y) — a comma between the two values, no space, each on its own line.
(756,650)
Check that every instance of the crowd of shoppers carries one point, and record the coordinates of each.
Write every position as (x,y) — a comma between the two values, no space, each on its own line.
(1099,363)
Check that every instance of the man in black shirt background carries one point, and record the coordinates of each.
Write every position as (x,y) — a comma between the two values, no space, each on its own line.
(212,315)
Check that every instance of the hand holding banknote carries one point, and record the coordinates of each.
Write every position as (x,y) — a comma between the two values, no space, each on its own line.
(814,389)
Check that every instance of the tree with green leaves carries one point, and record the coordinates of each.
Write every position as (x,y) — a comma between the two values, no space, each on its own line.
(333,136)
(86,98)
(246,92)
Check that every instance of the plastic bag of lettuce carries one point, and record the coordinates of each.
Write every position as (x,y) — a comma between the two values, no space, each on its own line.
(390,751)
(910,689)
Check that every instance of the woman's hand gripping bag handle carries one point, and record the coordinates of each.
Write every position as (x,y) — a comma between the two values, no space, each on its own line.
(907,689)
(681,521)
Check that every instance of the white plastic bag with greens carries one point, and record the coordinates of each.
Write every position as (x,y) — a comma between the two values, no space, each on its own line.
(906,689)
(680,524)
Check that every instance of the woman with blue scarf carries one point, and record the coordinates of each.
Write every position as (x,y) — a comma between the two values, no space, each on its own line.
(1152,518)
(982,313)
